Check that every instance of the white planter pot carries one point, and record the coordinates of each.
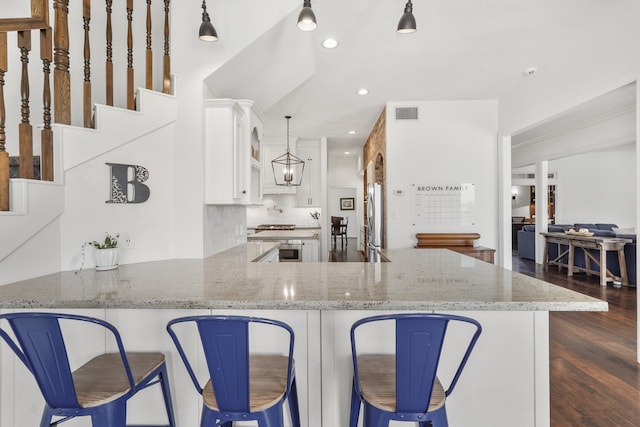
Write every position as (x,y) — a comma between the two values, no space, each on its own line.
(107,259)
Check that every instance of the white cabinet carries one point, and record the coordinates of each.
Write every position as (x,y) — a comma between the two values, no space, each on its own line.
(254,120)
(309,192)
(310,250)
(270,152)
(233,134)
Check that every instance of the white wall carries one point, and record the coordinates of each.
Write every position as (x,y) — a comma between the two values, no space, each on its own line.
(596,187)
(520,200)
(452,142)
(87,217)
(36,257)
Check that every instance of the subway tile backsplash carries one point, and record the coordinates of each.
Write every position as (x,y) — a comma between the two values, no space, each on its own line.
(282,210)
(224,228)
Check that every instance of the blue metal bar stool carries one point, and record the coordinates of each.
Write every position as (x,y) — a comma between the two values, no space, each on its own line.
(100,388)
(241,386)
(404,386)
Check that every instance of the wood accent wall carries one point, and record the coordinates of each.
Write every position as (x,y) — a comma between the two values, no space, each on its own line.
(376,145)
(375,150)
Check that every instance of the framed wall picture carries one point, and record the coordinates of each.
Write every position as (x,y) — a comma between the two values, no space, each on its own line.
(347,203)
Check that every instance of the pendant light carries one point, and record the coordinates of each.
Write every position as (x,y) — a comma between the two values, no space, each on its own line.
(287,169)
(307,19)
(207,32)
(407,23)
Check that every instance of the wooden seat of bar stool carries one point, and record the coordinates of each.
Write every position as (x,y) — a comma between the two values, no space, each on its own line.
(102,379)
(378,382)
(268,379)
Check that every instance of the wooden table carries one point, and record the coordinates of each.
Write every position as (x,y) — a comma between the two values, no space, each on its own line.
(603,244)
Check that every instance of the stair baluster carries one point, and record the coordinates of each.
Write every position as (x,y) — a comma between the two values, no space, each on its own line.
(4,156)
(131,105)
(61,77)
(149,51)
(25,128)
(86,85)
(166,78)
(46,135)
(109,61)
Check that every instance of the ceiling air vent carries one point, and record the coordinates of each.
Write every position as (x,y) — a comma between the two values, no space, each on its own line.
(407,113)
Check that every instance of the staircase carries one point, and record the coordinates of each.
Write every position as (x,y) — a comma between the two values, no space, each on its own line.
(33,188)
(36,204)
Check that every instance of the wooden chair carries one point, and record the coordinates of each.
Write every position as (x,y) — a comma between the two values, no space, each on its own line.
(403,386)
(241,386)
(100,388)
(339,229)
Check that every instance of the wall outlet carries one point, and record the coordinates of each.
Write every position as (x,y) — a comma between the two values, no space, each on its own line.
(127,241)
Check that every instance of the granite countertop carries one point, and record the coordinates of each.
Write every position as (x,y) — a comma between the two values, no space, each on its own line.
(415,279)
(297,234)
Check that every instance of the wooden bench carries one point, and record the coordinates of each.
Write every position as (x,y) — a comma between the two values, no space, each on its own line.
(458,242)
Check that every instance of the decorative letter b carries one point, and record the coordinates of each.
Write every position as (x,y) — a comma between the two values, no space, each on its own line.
(127,183)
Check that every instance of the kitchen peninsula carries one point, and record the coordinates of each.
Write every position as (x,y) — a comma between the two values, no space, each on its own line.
(506,382)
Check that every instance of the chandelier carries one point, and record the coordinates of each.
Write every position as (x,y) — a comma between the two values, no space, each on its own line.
(287,168)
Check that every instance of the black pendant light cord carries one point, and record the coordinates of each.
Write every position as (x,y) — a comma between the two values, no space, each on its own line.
(287,117)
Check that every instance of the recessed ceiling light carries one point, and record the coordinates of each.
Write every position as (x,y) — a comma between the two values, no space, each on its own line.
(362,91)
(346,152)
(330,43)
(352,132)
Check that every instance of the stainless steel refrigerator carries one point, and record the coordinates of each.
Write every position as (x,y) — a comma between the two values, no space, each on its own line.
(375,221)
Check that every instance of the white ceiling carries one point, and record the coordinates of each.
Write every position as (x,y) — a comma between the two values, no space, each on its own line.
(612,104)
(463,49)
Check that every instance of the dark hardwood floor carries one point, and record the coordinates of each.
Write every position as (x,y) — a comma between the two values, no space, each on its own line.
(347,252)
(594,374)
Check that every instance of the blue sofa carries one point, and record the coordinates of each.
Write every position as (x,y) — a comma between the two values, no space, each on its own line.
(527,247)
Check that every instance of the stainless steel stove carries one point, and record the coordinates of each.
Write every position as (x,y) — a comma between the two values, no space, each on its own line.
(263,227)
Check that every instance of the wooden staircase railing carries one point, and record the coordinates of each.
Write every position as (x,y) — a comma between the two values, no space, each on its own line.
(54,47)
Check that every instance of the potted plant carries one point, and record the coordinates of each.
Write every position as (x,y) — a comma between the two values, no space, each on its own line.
(106,253)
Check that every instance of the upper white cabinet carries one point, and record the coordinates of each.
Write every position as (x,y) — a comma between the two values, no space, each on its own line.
(253,134)
(233,150)
(309,192)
